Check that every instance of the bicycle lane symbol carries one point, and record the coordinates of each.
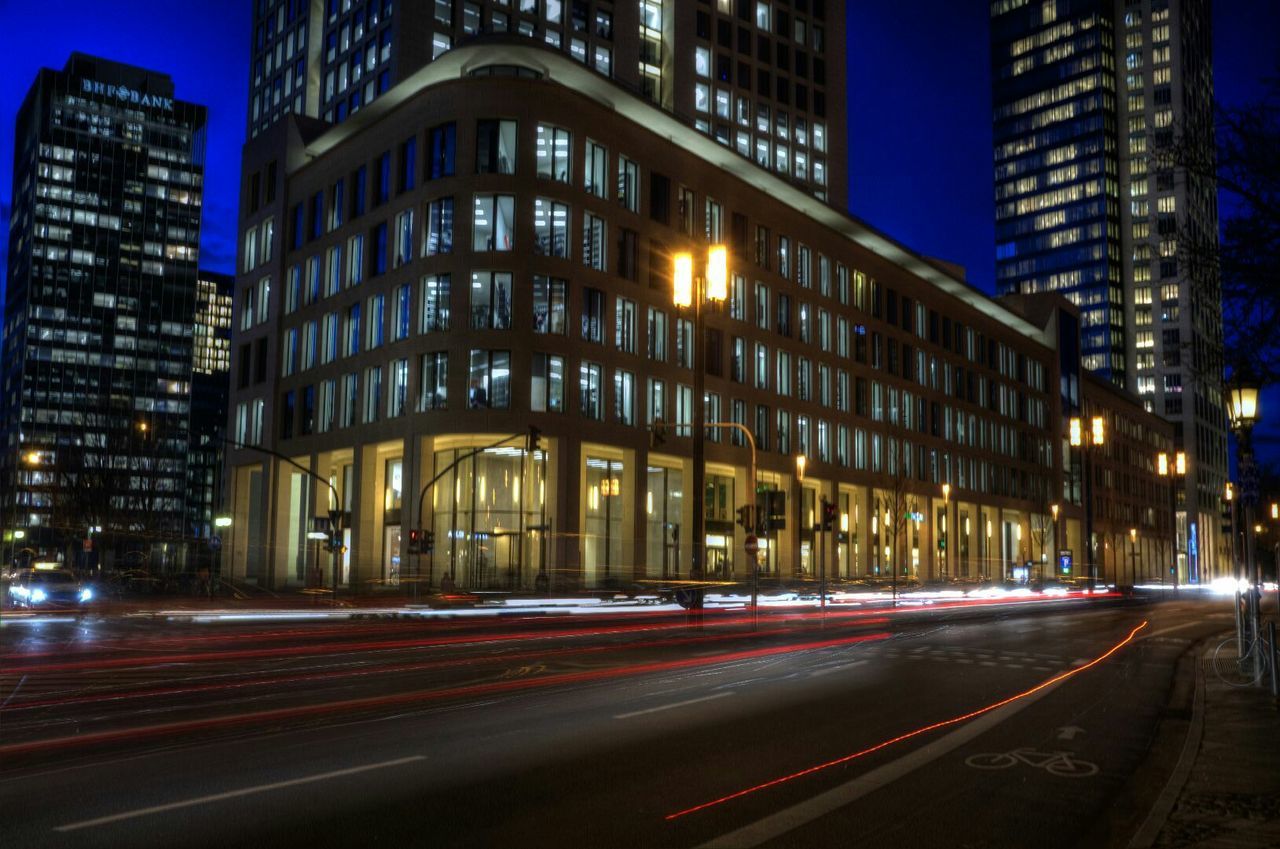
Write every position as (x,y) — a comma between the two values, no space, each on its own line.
(1061,764)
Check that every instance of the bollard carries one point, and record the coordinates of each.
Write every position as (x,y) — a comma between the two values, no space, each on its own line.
(1271,656)
(1239,627)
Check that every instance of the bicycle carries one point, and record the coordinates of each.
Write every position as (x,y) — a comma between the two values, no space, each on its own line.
(1061,764)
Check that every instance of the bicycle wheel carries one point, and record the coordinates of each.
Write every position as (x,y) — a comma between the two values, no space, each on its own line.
(991,760)
(1065,766)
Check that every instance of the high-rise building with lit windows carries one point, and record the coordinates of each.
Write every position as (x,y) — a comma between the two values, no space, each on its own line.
(95,406)
(210,387)
(1086,96)
(765,79)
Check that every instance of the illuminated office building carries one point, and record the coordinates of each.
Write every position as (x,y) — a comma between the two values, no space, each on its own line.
(210,388)
(97,348)
(765,79)
(1085,94)
(490,245)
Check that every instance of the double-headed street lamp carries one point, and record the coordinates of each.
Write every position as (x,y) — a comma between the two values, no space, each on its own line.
(1172,467)
(1095,437)
(689,291)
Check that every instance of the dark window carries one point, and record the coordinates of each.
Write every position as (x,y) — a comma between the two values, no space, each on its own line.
(408,164)
(246,366)
(659,198)
(317,214)
(260,360)
(271,182)
(384,179)
(299,227)
(255,188)
(286,415)
(379,257)
(891,307)
(744,41)
(628,254)
(738,233)
(724,34)
(443,149)
(784,315)
(359,190)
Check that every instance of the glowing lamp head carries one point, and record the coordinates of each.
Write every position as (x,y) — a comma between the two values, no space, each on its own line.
(1133,535)
(1162,463)
(946,491)
(1229,492)
(1180,463)
(1099,427)
(682,279)
(1076,436)
(1054,508)
(1275,511)
(801,462)
(1244,404)
(717,273)
(33,457)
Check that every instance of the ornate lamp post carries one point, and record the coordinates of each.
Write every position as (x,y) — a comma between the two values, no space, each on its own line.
(801,462)
(1053,508)
(1244,415)
(1173,467)
(689,291)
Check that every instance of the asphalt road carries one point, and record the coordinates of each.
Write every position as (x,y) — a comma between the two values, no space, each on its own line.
(1004,725)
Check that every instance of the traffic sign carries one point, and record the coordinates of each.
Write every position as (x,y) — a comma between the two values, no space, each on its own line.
(88,544)
(752,545)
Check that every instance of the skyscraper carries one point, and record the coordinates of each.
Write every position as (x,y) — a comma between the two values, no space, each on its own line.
(104,235)
(210,387)
(1086,95)
(766,79)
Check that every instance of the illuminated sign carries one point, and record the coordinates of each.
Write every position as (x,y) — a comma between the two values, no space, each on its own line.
(125,94)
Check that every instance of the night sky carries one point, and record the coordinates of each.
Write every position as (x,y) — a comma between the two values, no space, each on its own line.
(919,105)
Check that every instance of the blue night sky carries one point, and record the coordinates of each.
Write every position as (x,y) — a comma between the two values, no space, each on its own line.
(919,103)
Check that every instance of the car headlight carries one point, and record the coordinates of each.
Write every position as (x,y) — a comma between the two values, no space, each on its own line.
(38,595)
(86,593)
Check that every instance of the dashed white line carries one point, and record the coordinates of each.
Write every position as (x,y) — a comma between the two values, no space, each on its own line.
(720,695)
(815,673)
(233,794)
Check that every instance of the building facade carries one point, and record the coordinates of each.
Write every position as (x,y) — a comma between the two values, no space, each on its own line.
(97,374)
(763,78)
(1087,95)
(417,309)
(210,394)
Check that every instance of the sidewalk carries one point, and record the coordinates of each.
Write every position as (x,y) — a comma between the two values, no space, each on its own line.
(1231,796)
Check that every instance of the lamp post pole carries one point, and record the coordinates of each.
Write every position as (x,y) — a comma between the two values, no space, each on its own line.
(1095,438)
(689,290)
(946,520)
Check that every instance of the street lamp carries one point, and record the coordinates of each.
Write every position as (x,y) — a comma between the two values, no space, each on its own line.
(1095,438)
(946,517)
(1053,508)
(688,290)
(1243,411)
(1133,554)
(1174,466)
(801,462)
(1229,496)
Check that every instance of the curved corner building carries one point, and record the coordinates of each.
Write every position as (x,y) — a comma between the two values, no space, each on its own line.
(488,247)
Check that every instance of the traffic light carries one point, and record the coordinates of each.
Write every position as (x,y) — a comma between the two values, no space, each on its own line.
(535,438)
(428,542)
(415,542)
(744,518)
(828,515)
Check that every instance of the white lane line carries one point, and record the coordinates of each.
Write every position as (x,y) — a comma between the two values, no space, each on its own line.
(674,705)
(815,673)
(233,794)
(789,819)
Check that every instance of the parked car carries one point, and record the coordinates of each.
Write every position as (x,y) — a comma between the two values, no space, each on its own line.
(49,588)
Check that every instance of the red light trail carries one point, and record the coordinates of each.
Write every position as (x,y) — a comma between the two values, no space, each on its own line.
(908,735)
(260,718)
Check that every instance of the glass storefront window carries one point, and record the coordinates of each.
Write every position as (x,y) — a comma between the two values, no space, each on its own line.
(664,509)
(602,532)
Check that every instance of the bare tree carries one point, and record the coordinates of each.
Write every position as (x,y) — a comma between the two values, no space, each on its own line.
(900,507)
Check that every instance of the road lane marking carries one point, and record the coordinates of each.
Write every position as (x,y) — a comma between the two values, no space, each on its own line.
(673,705)
(976,722)
(815,673)
(234,794)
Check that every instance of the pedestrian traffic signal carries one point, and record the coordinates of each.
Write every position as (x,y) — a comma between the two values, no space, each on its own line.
(415,542)
(428,542)
(535,438)
(744,518)
(828,515)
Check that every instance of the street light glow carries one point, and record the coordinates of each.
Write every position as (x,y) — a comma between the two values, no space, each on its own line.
(717,273)
(1076,436)
(682,279)
(1099,426)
